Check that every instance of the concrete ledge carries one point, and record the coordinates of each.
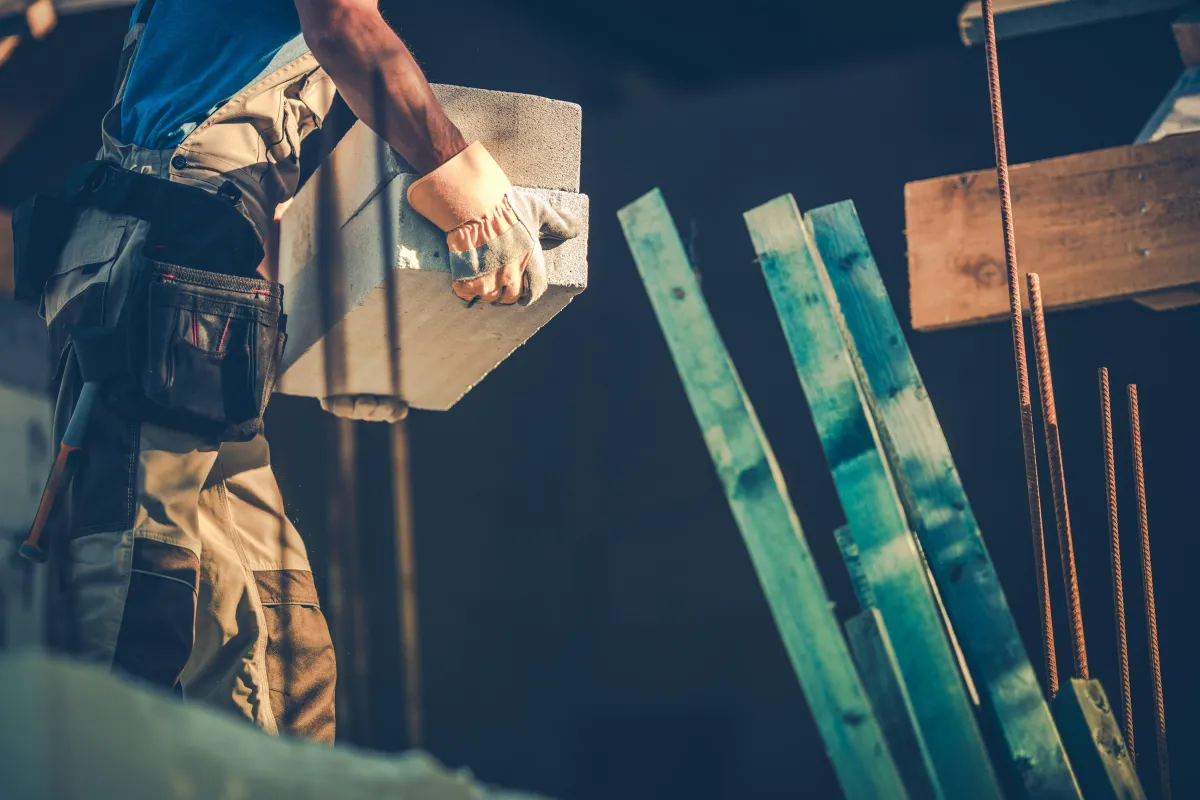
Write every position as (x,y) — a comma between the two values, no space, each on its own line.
(446,348)
(75,732)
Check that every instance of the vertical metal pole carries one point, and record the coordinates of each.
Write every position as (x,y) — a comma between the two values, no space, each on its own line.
(406,568)
(1110,487)
(1160,714)
(1058,485)
(1032,491)
(342,522)
(407,578)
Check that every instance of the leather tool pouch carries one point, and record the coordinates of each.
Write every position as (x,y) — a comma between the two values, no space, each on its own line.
(213,346)
(41,226)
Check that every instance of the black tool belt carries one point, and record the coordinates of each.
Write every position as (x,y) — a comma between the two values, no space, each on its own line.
(201,337)
(188,225)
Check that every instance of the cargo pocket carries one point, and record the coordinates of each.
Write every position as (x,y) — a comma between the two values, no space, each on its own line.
(214,345)
(301,668)
(85,261)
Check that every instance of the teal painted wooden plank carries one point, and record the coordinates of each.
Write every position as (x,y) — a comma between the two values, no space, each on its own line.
(853,559)
(1093,740)
(811,324)
(760,504)
(876,659)
(939,512)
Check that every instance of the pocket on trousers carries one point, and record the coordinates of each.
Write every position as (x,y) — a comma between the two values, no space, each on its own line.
(214,345)
(84,259)
(301,666)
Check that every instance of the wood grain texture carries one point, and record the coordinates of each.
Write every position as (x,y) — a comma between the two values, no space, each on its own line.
(1022,17)
(939,513)
(813,329)
(1093,740)
(876,659)
(1098,226)
(759,501)
(1179,112)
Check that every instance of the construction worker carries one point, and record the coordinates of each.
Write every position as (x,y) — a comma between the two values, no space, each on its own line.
(176,562)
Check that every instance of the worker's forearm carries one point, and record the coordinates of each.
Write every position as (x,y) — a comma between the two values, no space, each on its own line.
(353,43)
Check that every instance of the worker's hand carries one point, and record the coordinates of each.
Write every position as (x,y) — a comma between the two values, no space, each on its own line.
(370,407)
(522,260)
(494,232)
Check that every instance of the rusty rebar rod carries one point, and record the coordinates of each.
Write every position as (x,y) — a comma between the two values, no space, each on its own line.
(1058,485)
(1110,486)
(1160,714)
(1032,490)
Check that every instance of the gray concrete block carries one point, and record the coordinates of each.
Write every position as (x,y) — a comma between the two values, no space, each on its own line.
(445,348)
(536,140)
(75,732)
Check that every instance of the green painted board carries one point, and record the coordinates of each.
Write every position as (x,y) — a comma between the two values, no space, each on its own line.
(812,326)
(760,504)
(1093,739)
(876,659)
(853,559)
(939,512)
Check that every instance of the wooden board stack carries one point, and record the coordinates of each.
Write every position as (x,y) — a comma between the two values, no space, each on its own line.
(908,517)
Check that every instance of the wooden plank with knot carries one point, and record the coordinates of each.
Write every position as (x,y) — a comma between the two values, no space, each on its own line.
(1098,226)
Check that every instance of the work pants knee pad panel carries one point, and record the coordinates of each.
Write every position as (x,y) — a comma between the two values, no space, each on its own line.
(301,669)
(155,640)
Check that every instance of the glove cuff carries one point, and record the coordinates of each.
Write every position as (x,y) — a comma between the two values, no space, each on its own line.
(469,187)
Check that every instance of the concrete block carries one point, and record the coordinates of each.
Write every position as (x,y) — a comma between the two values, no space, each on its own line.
(445,348)
(535,140)
(76,732)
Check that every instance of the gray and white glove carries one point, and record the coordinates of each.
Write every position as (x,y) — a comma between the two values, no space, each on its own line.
(494,231)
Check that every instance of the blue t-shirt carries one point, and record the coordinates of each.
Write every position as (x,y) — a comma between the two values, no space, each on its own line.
(195,55)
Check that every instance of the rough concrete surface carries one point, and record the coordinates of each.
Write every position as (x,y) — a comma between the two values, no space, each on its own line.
(447,348)
(75,732)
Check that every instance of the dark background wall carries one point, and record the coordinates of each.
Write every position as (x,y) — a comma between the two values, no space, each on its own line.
(594,628)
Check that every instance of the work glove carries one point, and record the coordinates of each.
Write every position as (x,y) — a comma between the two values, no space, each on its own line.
(493,230)
(370,407)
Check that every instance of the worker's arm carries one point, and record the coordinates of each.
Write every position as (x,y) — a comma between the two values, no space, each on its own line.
(353,43)
(493,231)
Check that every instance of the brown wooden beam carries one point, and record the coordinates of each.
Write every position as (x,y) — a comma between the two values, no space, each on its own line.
(1099,226)
(1021,17)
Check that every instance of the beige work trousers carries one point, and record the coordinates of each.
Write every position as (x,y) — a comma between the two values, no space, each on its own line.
(176,562)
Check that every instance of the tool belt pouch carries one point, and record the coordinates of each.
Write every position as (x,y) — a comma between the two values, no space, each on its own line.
(41,226)
(214,344)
